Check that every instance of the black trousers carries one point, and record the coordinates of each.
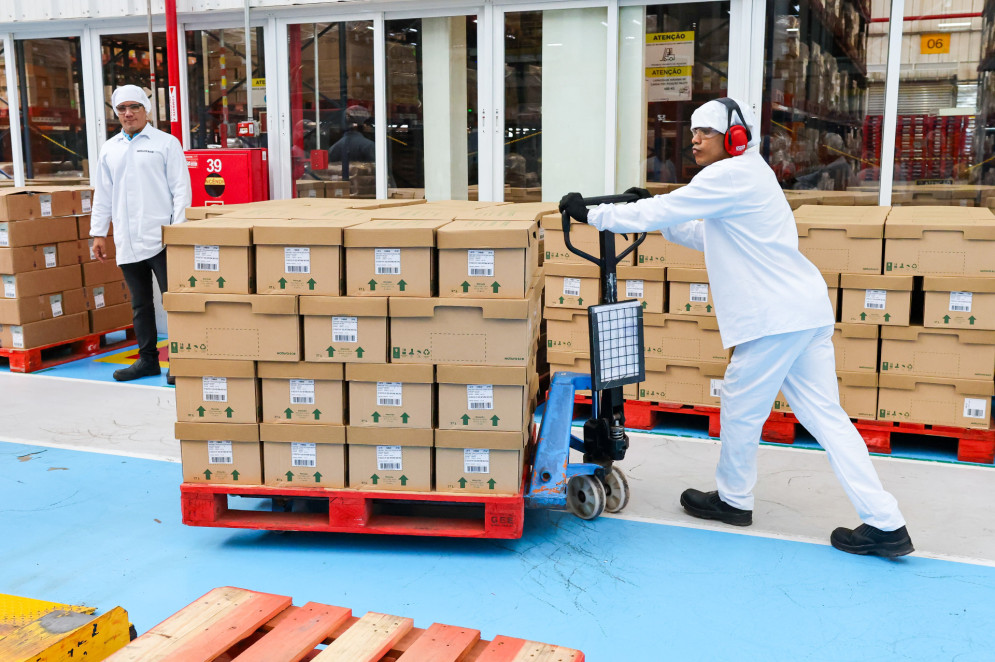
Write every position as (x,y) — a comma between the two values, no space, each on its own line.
(138,276)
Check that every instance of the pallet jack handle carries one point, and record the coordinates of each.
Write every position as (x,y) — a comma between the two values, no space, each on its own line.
(605,263)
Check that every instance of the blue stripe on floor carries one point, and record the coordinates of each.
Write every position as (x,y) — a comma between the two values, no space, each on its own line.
(105,530)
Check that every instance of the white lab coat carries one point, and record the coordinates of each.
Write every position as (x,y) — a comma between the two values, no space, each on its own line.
(140,185)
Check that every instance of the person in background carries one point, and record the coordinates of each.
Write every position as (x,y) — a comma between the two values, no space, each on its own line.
(772,306)
(140,184)
(354,146)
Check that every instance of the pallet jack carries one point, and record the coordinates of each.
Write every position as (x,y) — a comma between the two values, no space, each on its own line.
(616,329)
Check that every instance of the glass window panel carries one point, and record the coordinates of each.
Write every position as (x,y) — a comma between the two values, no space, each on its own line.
(523,107)
(6,148)
(125,61)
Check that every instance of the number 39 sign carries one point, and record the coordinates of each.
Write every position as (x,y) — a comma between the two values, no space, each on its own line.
(933,44)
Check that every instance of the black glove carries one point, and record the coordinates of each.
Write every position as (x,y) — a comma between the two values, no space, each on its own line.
(640,193)
(573,204)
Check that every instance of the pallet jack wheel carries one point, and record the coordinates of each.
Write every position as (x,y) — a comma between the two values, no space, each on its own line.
(616,491)
(585,497)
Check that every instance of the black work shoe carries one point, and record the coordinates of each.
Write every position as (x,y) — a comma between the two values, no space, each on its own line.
(708,505)
(138,369)
(866,539)
(170,379)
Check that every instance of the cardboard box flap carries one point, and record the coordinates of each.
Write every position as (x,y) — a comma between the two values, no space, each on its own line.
(300,370)
(683,275)
(639,273)
(663,319)
(857,223)
(357,436)
(220,231)
(300,232)
(556,357)
(964,336)
(345,306)
(871,282)
(942,212)
(858,330)
(430,211)
(216,431)
(393,233)
(572,270)
(491,308)
(206,368)
(488,234)
(519,211)
(554,222)
(262,304)
(469,374)
(976,226)
(411,373)
(832,278)
(858,379)
(302,432)
(480,439)
(958,284)
(965,387)
(705,368)
(565,314)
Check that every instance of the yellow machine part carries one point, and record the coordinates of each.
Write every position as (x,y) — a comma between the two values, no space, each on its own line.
(39,631)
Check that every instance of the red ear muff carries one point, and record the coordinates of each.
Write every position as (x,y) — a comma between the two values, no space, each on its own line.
(736,140)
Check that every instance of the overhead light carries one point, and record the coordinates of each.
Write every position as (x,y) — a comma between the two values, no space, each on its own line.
(965,24)
(791,30)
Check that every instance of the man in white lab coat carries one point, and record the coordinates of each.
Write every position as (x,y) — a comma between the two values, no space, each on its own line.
(140,183)
(772,306)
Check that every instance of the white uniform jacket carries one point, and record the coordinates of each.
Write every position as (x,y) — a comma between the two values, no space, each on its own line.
(761,283)
(140,184)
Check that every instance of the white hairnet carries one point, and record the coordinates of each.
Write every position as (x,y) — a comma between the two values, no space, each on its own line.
(131,93)
(715,115)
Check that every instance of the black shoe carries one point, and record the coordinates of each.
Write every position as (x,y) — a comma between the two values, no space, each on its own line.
(866,539)
(138,369)
(708,505)
(170,379)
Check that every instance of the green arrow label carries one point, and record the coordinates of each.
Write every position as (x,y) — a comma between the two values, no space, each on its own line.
(462,483)
(311,283)
(331,351)
(374,478)
(946,319)
(403,479)
(235,474)
(283,283)
(644,305)
(708,308)
(221,282)
(465,285)
(359,352)
(561,299)
(971,319)
(201,410)
(229,411)
(405,417)
(887,317)
(289,412)
(317,414)
(373,287)
(495,286)
(317,476)
(375,416)
(193,281)
(491,483)
(687,306)
(863,316)
(494,420)
(465,419)
(580,301)
(207,474)
(401,284)
(290,476)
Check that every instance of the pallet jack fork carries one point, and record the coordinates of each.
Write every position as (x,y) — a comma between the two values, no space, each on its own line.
(595,485)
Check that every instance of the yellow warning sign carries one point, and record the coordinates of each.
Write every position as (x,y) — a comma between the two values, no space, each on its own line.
(667,72)
(214,180)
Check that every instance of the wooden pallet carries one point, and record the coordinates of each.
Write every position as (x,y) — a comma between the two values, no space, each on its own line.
(245,626)
(32,360)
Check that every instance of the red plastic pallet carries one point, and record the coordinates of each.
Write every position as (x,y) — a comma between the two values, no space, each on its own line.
(31,360)
(640,415)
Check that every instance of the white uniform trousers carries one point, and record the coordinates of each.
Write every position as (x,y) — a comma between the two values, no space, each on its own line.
(802,365)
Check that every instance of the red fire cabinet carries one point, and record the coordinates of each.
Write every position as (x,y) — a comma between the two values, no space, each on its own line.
(228,176)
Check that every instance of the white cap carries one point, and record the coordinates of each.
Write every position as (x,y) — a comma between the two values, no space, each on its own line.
(715,115)
(131,93)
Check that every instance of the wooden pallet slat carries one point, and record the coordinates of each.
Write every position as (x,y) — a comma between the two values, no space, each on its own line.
(441,643)
(368,639)
(296,635)
(509,649)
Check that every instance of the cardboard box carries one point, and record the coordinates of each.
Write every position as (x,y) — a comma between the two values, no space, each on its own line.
(953,302)
(656,251)
(250,327)
(19,203)
(338,189)
(961,403)
(213,255)
(940,241)
(14,234)
(682,382)
(465,331)
(85,248)
(689,293)
(68,253)
(683,337)
(297,455)
(884,300)
(953,353)
(396,459)
(485,398)
(109,294)
(568,330)
(487,259)
(301,256)
(833,285)
(499,211)
(83,228)
(856,347)
(842,239)
(31,258)
(46,306)
(310,188)
(858,393)
(391,258)
(583,237)
(82,198)
(345,329)
(56,201)
(215,391)
(110,318)
(644,284)
(222,453)
(35,283)
(298,392)
(573,362)
(391,395)
(100,273)
(479,462)
(571,285)
(45,332)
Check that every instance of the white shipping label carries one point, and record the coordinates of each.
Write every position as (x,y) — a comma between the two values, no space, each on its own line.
(207,258)
(93,256)
(86,199)
(4,234)
(975,408)
(215,389)
(389,394)
(50,259)
(479,396)
(345,329)
(960,302)
(571,287)
(17,335)
(303,454)
(98,297)
(875,299)
(476,460)
(9,287)
(46,204)
(297,260)
(715,388)
(633,289)
(387,261)
(302,391)
(56,301)
(698,292)
(220,452)
(480,263)
(389,458)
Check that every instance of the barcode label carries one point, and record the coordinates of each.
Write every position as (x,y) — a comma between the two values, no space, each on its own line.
(479,396)
(698,292)
(345,329)
(220,452)
(207,258)
(93,256)
(480,263)
(303,454)
(715,388)
(387,261)
(389,394)
(571,287)
(297,259)
(17,336)
(215,389)
(9,287)
(960,302)
(633,289)
(875,299)
(56,301)
(302,391)
(86,200)
(98,297)
(50,260)
(476,460)
(46,205)
(389,458)
(974,408)
(4,235)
